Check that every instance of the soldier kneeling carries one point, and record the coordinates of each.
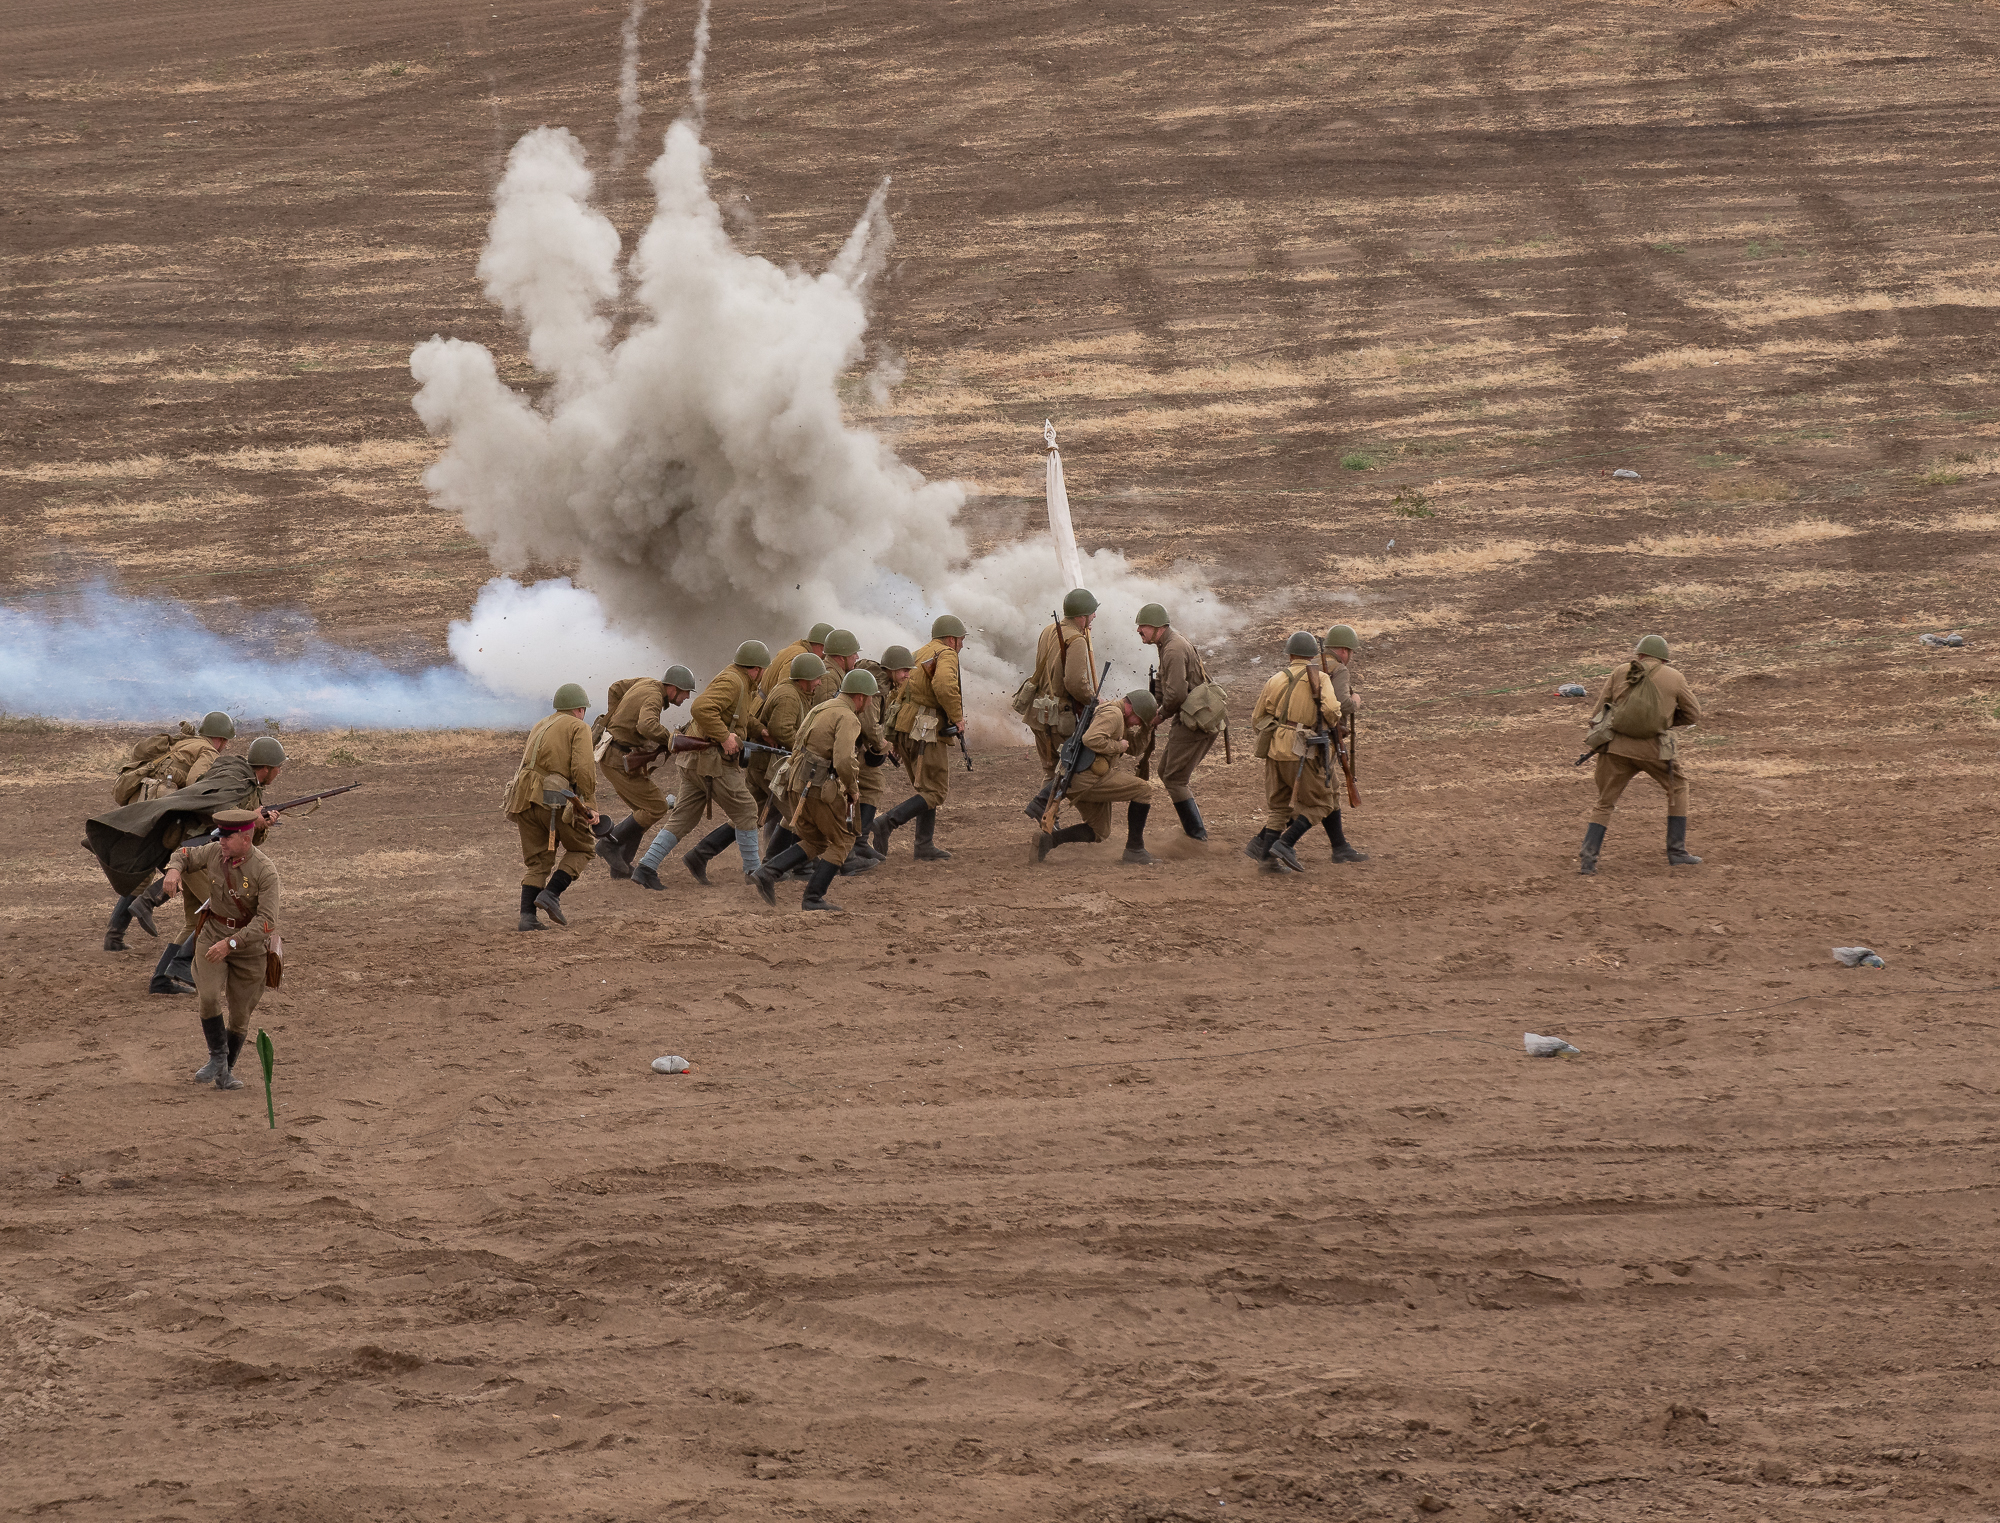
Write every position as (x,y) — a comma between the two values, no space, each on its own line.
(1112,733)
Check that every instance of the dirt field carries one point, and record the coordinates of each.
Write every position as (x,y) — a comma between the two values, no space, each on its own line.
(1073,1192)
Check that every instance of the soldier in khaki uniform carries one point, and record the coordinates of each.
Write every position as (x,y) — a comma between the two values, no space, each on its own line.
(634,721)
(1625,756)
(1180,673)
(558,753)
(1065,677)
(813,641)
(777,724)
(1336,659)
(712,779)
(927,721)
(878,746)
(238,926)
(1114,730)
(822,792)
(238,782)
(1297,705)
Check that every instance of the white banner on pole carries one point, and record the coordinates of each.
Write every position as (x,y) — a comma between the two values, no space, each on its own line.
(1060,527)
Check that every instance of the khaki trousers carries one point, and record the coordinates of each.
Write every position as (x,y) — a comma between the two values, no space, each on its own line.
(823,830)
(1094,799)
(575,846)
(231,987)
(641,795)
(725,789)
(1185,749)
(1316,798)
(1614,772)
(929,766)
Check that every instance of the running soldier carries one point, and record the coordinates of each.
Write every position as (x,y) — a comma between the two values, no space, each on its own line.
(777,724)
(928,720)
(712,778)
(813,641)
(1639,708)
(1340,644)
(236,935)
(234,782)
(822,792)
(1065,677)
(557,760)
(1114,730)
(1294,720)
(1180,673)
(634,722)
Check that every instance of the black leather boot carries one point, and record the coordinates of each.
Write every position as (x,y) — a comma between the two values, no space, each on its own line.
(549,900)
(1678,854)
(226,1079)
(218,1051)
(1136,854)
(902,814)
(1281,850)
(528,920)
(1593,842)
(775,867)
(817,885)
(114,932)
(174,972)
(1038,806)
(1191,820)
(1343,850)
(1046,843)
(1259,845)
(616,845)
(696,861)
(864,819)
(928,849)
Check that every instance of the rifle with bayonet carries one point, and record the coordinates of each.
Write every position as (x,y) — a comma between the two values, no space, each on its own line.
(311,798)
(1071,759)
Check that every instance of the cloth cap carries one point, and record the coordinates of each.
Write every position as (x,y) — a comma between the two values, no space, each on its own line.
(229,821)
(1078,603)
(818,633)
(217,725)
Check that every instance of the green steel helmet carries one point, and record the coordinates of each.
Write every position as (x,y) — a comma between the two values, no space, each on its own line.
(806,667)
(680,677)
(1654,645)
(752,653)
(858,681)
(842,643)
(1153,616)
(1302,644)
(1144,704)
(1342,637)
(266,752)
(897,658)
(572,696)
(947,626)
(1078,603)
(217,725)
(818,633)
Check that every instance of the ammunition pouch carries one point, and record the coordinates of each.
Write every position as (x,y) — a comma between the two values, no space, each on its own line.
(1024,697)
(924,728)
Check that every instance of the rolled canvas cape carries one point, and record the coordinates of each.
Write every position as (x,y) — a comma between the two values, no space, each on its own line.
(134,842)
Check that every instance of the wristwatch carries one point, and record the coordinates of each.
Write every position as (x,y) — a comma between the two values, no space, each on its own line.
(232,943)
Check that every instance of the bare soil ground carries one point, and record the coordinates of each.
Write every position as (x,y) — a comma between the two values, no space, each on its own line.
(1071,1192)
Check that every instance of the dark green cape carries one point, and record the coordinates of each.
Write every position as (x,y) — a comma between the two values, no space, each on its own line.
(133,843)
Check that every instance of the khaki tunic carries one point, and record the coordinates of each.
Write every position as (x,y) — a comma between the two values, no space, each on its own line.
(709,779)
(1181,672)
(558,749)
(777,724)
(831,735)
(633,719)
(243,901)
(195,885)
(780,669)
(1294,788)
(930,692)
(876,717)
(1629,755)
(1065,670)
(1107,782)
(187,761)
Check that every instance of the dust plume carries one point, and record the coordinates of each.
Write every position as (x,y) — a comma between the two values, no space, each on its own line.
(628,88)
(700,473)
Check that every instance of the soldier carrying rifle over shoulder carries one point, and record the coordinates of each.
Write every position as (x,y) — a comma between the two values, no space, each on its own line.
(1294,720)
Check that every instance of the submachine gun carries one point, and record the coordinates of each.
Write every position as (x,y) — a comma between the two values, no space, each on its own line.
(1075,757)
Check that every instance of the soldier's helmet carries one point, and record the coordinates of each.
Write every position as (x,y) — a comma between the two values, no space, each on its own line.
(1144,704)
(842,643)
(1153,616)
(806,667)
(266,752)
(816,635)
(217,725)
(858,681)
(572,696)
(1304,643)
(1342,637)
(753,653)
(1078,603)
(680,677)
(1654,645)
(947,626)
(897,658)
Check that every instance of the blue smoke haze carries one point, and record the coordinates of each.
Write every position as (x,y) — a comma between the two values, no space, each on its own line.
(97,655)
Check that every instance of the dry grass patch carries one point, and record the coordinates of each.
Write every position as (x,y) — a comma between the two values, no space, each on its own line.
(1667,595)
(371,453)
(1742,488)
(1452,561)
(1804,531)
(131,468)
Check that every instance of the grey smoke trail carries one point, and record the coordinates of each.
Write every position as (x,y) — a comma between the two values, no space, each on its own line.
(628,88)
(698,69)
